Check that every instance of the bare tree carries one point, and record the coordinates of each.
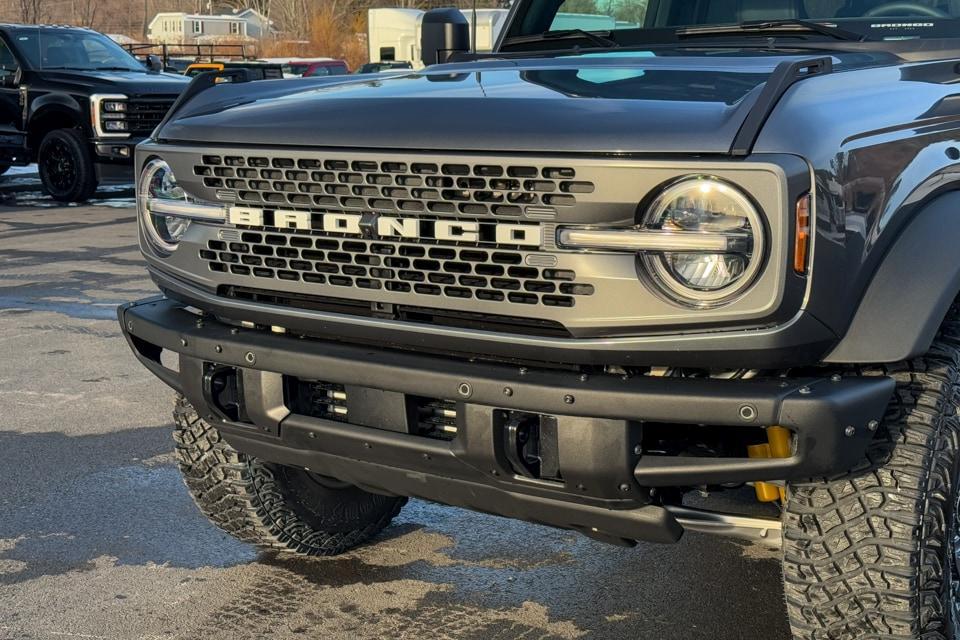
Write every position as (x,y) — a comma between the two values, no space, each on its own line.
(32,11)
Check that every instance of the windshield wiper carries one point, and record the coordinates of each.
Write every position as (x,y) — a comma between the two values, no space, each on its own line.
(764,26)
(596,38)
(117,69)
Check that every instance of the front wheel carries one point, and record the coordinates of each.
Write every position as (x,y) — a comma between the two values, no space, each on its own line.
(874,554)
(270,505)
(66,166)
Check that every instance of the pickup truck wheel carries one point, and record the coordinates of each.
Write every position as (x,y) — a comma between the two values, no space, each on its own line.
(66,166)
(874,553)
(270,505)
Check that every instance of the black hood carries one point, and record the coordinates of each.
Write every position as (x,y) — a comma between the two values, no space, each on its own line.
(132,83)
(604,103)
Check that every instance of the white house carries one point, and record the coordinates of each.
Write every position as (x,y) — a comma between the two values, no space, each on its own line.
(177,27)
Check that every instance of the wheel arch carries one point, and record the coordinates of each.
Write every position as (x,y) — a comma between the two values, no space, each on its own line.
(50,112)
(911,292)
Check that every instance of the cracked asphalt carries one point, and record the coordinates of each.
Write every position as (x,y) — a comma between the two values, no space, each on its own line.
(99,539)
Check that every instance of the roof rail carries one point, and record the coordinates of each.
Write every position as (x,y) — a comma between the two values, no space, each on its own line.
(784,76)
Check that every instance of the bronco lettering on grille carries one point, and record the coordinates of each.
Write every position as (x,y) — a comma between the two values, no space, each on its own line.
(382,226)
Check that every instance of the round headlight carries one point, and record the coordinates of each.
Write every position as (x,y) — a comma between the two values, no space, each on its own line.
(157,183)
(708,206)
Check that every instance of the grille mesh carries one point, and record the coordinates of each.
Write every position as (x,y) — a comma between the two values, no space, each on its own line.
(426,187)
(453,272)
(144,115)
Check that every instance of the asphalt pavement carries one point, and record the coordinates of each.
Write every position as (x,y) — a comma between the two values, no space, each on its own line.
(100,540)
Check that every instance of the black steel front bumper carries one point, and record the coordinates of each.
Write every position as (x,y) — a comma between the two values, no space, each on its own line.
(605,491)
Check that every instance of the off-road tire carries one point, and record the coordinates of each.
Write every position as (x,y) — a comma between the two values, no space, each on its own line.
(869,555)
(66,166)
(273,506)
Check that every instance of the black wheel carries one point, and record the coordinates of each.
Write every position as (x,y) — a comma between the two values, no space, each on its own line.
(66,166)
(874,554)
(273,506)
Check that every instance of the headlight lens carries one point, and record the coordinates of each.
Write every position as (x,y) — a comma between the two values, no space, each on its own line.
(705,205)
(157,182)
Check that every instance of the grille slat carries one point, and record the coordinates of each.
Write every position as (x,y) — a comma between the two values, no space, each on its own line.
(465,189)
(145,114)
(453,272)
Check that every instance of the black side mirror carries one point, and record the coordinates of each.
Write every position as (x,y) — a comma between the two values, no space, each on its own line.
(154,63)
(443,33)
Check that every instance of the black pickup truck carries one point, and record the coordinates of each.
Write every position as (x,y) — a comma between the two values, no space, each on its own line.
(592,279)
(76,103)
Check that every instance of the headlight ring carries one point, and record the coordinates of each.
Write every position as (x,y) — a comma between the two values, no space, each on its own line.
(158,183)
(708,205)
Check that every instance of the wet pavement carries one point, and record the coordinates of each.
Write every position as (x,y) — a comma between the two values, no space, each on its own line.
(99,539)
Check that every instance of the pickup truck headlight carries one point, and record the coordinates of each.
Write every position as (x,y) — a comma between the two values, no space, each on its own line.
(158,198)
(108,115)
(704,207)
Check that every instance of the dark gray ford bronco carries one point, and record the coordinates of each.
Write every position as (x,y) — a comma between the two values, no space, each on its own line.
(590,280)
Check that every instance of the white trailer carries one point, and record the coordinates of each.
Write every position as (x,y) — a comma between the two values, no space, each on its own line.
(394,34)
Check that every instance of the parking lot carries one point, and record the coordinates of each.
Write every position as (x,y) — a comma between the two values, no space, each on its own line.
(99,539)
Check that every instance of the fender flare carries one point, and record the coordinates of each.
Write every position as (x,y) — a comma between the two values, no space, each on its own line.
(911,292)
(57,103)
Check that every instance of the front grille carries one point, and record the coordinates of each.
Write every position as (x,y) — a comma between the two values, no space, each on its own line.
(144,114)
(489,275)
(426,187)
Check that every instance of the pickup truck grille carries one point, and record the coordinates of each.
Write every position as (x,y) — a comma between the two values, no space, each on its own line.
(144,114)
(438,271)
(418,187)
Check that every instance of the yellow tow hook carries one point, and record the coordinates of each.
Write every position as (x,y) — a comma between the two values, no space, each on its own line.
(776,446)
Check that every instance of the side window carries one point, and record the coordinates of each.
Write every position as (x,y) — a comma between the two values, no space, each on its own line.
(599,15)
(320,71)
(8,64)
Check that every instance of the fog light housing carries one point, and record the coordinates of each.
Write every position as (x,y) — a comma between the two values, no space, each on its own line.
(158,185)
(706,206)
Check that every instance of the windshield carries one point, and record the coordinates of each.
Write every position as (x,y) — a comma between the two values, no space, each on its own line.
(873,19)
(73,49)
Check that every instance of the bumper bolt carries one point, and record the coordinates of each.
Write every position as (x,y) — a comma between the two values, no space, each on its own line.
(312,435)
(568,399)
(218,349)
(584,377)
(426,456)
(234,331)
(836,377)
(872,425)
(637,450)
(507,391)
(582,487)
(805,391)
(183,342)
(366,445)
(465,390)
(129,325)
(250,357)
(748,413)
(849,431)
(523,371)
(624,487)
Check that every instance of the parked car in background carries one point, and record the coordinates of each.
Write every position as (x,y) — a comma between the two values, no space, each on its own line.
(77,103)
(318,68)
(380,67)
(267,71)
